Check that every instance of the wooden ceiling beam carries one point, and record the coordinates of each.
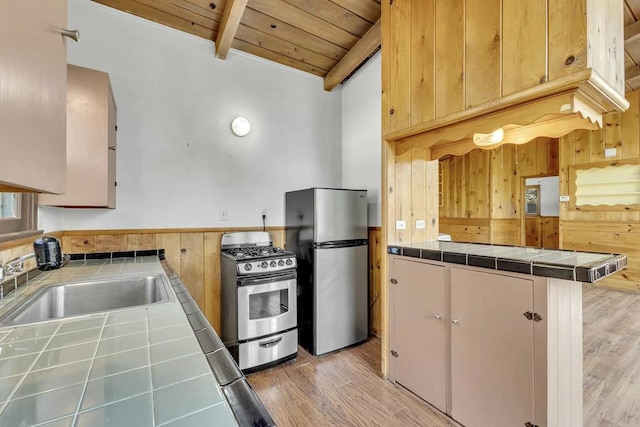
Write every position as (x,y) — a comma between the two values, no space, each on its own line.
(362,50)
(632,76)
(229,26)
(632,33)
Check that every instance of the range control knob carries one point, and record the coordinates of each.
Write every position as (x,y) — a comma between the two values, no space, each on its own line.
(280,263)
(263,264)
(272,264)
(289,262)
(247,267)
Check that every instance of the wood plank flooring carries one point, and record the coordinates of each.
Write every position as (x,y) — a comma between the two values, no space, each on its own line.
(611,337)
(345,389)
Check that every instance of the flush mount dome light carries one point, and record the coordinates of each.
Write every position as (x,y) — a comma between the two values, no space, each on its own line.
(240,126)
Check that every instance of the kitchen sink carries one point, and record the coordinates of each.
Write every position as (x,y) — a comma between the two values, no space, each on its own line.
(73,299)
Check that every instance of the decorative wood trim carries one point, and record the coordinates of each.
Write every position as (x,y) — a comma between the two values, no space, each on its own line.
(229,26)
(553,128)
(520,122)
(363,49)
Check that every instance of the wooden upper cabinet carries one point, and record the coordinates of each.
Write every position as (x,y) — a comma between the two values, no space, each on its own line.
(457,62)
(33,82)
(91,142)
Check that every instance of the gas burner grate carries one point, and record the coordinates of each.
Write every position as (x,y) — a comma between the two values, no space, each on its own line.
(256,251)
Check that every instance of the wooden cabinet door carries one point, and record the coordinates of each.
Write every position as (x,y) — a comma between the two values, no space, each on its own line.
(33,93)
(491,349)
(91,142)
(419,330)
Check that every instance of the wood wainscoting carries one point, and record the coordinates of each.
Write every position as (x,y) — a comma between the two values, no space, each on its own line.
(195,256)
(476,230)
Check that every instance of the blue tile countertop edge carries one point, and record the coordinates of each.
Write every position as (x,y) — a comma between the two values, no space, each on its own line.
(587,267)
(75,370)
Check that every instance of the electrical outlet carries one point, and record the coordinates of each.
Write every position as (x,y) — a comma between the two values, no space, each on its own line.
(401,225)
(564,198)
(224,214)
(420,224)
(610,152)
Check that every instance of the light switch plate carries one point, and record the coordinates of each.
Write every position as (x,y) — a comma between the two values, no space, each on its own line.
(610,152)
(564,198)
(419,224)
(223,215)
(401,225)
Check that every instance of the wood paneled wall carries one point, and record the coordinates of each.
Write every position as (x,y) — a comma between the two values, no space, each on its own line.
(442,57)
(195,256)
(482,190)
(466,190)
(477,230)
(415,196)
(615,230)
(376,253)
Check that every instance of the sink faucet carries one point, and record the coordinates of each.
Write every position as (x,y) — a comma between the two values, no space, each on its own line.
(16,265)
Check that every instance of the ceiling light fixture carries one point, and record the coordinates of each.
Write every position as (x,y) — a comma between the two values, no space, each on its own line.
(240,126)
(484,139)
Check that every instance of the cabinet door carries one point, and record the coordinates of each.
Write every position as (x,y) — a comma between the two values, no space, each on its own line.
(491,349)
(33,76)
(91,142)
(419,330)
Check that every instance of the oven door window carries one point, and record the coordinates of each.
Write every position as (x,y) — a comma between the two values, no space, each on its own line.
(266,308)
(268,304)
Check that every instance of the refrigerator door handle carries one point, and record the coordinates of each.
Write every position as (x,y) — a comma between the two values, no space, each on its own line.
(340,244)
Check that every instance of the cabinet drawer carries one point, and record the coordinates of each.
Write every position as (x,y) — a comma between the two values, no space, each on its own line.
(259,352)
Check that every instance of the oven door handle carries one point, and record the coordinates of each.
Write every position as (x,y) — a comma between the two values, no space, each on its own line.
(263,279)
(272,343)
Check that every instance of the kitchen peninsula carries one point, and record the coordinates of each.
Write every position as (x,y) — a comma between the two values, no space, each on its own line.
(492,335)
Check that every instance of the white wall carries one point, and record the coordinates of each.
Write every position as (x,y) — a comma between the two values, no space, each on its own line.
(362,132)
(178,162)
(549,194)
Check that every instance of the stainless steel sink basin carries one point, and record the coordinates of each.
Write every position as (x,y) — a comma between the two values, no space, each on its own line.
(73,299)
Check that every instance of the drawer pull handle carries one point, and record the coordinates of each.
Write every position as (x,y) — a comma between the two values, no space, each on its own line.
(455,321)
(438,317)
(72,34)
(269,344)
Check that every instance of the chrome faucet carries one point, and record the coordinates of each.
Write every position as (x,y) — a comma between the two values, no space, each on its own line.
(16,265)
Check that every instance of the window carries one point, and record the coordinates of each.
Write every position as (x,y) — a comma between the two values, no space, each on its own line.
(18,212)
(532,200)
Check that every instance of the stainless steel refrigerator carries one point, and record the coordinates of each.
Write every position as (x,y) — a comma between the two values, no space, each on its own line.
(327,229)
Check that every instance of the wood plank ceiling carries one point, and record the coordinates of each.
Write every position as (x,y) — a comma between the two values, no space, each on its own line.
(632,43)
(328,38)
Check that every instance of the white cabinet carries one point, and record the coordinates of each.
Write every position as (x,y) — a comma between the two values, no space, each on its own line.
(33,76)
(91,142)
(508,353)
(491,349)
(418,307)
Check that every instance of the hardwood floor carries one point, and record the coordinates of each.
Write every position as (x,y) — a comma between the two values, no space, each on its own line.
(345,389)
(611,337)
(340,389)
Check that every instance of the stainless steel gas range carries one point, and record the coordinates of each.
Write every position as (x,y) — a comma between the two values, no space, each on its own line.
(259,300)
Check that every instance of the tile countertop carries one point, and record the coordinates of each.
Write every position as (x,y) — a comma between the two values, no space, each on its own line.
(137,367)
(561,264)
